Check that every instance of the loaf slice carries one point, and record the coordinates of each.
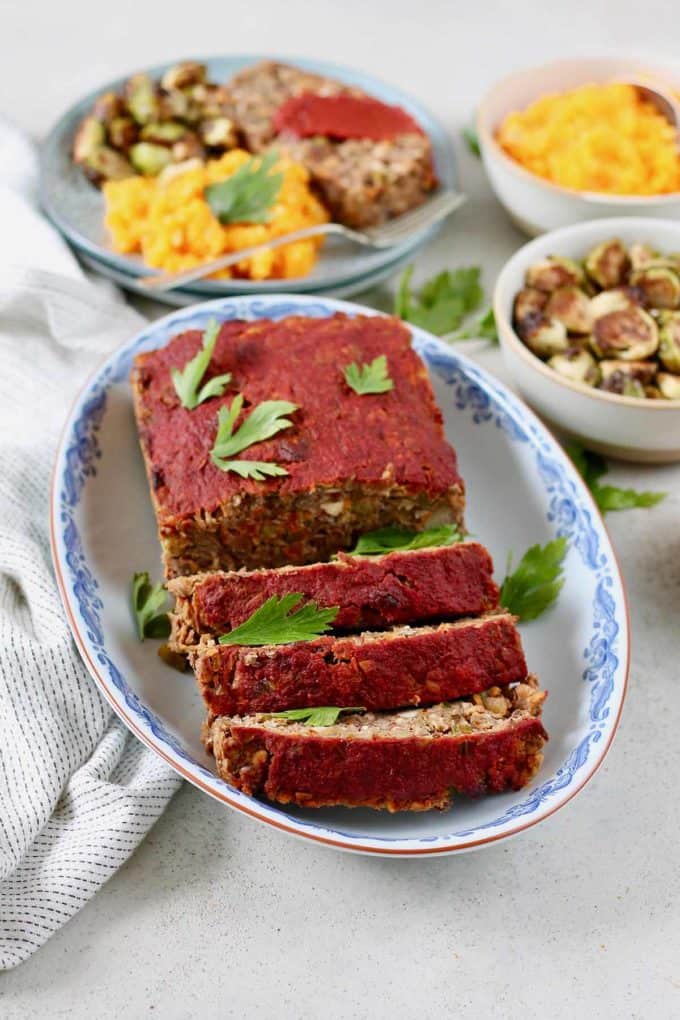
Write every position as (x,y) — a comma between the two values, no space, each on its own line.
(401,761)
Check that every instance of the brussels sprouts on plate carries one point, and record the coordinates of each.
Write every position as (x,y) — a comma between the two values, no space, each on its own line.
(612,322)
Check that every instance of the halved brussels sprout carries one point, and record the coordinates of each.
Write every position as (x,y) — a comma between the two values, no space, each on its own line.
(149,159)
(660,286)
(90,136)
(545,337)
(188,147)
(627,377)
(642,255)
(630,335)
(554,272)
(123,132)
(608,263)
(669,385)
(618,299)
(218,131)
(173,105)
(578,365)
(572,307)
(142,99)
(165,133)
(529,303)
(669,340)
(105,164)
(180,76)
(107,107)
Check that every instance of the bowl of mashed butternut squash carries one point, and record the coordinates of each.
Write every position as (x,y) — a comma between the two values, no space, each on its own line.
(576,140)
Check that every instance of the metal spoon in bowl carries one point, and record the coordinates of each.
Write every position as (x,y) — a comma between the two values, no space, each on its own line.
(661,98)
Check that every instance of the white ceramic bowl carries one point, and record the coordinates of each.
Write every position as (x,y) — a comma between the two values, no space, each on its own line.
(624,427)
(534,204)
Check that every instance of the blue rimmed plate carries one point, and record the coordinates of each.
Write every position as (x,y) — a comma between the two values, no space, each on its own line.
(521,489)
(76,207)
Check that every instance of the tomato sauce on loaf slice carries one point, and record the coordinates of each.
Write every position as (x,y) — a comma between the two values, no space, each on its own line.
(384,670)
(401,761)
(372,592)
(354,462)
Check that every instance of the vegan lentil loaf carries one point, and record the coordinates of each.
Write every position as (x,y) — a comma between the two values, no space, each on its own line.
(377,670)
(354,462)
(362,180)
(402,761)
(372,592)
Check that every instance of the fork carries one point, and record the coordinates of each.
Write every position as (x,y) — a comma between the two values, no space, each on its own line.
(385,236)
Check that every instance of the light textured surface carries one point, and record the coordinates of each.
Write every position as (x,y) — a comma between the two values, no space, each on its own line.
(215,915)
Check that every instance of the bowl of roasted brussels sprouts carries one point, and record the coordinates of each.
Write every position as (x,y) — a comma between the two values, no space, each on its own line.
(589,322)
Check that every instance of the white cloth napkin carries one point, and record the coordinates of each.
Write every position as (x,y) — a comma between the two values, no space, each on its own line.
(77,791)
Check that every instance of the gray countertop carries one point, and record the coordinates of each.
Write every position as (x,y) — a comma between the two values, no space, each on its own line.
(216,915)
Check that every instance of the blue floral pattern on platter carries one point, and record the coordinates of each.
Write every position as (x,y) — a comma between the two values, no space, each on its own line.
(474,393)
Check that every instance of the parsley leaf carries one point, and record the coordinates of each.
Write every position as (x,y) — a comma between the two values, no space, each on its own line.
(537,581)
(369,378)
(591,466)
(483,329)
(385,540)
(324,715)
(263,422)
(279,622)
(470,135)
(187,380)
(148,605)
(248,195)
(443,301)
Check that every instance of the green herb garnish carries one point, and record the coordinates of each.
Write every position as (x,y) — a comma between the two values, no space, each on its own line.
(321,716)
(472,140)
(248,195)
(263,422)
(188,379)
(443,302)
(278,622)
(386,540)
(536,582)
(369,378)
(591,466)
(148,605)
(483,329)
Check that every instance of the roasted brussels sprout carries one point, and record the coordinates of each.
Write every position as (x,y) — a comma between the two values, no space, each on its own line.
(165,133)
(578,365)
(572,307)
(180,76)
(669,340)
(528,304)
(618,299)
(219,131)
(123,132)
(91,135)
(630,378)
(669,385)
(641,255)
(660,286)
(142,99)
(107,107)
(105,164)
(149,159)
(188,147)
(630,335)
(607,264)
(545,337)
(554,272)
(173,105)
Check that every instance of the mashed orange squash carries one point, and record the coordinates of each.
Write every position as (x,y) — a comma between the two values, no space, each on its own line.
(168,221)
(601,138)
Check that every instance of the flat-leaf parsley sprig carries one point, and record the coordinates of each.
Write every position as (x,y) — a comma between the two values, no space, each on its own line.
(389,539)
(323,715)
(591,466)
(188,379)
(536,581)
(369,378)
(279,621)
(149,607)
(249,194)
(263,422)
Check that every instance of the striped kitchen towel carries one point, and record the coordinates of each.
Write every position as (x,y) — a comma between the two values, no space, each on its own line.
(77,791)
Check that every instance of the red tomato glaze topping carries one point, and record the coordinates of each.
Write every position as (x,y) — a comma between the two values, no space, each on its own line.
(343,117)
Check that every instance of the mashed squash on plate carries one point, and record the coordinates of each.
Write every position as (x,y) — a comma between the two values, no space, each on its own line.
(169,222)
(601,138)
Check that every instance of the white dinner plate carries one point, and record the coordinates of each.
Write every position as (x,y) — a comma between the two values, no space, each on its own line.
(521,489)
